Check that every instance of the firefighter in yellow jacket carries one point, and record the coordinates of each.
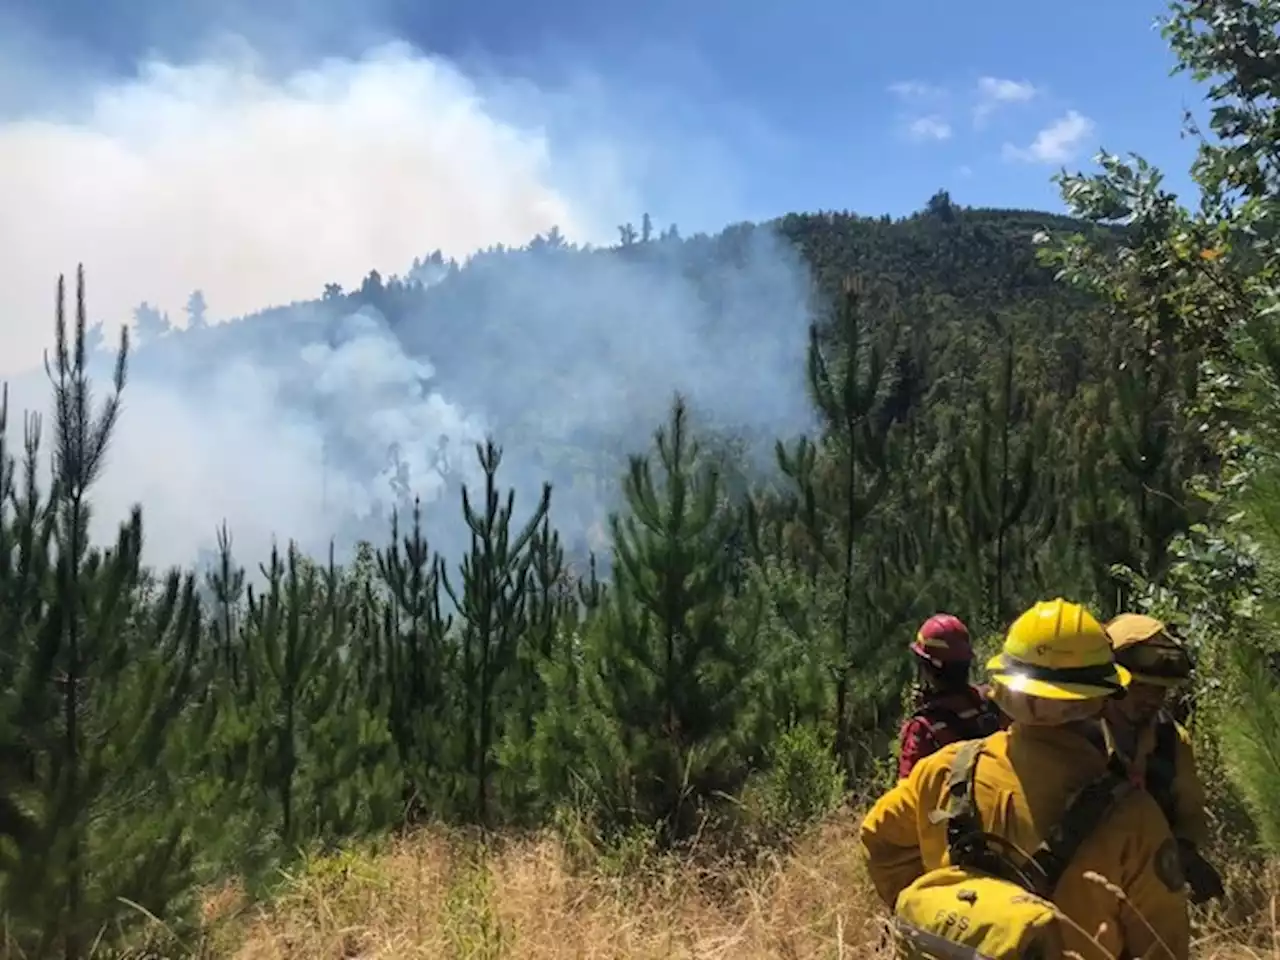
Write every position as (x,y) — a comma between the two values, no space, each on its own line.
(1053,678)
(1153,749)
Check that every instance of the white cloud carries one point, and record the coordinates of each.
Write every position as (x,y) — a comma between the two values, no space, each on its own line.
(1056,143)
(923,96)
(1005,91)
(993,92)
(929,128)
(916,90)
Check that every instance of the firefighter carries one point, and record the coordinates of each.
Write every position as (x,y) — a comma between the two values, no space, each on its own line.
(1052,678)
(1150,747)
(949,707)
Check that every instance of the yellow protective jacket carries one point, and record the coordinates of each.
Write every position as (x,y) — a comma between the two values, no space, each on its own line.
(1178,791)
(1023,782)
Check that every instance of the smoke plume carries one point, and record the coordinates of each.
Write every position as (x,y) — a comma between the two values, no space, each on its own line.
(259,185)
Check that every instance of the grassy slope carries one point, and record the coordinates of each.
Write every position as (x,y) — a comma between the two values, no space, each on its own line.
(424,896)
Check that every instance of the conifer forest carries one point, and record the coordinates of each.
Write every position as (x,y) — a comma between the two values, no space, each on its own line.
(1006,406)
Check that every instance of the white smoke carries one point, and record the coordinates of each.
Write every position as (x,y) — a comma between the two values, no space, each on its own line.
(259,186)
(259,190)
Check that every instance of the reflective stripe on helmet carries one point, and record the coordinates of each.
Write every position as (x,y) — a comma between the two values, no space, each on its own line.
(1096,675)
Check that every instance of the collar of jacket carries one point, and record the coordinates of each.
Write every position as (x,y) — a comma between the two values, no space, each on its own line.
(1135,748)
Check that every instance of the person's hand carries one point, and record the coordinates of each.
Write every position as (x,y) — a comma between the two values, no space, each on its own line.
(1202,879)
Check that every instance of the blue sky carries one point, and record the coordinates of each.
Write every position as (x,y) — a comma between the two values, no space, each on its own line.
(816,104)
(874,105)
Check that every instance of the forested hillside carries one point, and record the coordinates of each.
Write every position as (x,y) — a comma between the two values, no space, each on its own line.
(566,356)
(1001,406)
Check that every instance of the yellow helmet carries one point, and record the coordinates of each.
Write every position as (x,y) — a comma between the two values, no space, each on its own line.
(1144,646)
(1058,650)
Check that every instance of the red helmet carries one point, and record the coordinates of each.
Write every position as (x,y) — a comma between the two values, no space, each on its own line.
(943,638)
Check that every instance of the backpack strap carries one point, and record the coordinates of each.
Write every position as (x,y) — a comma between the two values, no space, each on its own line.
(1084,814)
(969,845)
(1162,769)
(959,807)
(936,717)
(978,721)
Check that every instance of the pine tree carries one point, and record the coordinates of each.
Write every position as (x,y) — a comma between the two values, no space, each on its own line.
(668,675)
(1099,512)
(197,311)
(1153,469)
(493,610)
(312,760)
(98,669)
(546,643)
(839,484)
(557,742)
(150,322)
(417,667)
(1006,486)
(225,586)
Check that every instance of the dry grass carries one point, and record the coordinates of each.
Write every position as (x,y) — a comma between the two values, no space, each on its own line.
(433,895)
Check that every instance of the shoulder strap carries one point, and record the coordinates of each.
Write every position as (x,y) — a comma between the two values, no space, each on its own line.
(1084,813)
(969,845)
(1162,768)
(1167,740)
(959,799)
(983,720)
(965,837)
(932,713)
(960,788)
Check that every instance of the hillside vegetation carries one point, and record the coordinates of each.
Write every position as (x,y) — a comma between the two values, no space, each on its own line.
(569,357)
(501,754)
